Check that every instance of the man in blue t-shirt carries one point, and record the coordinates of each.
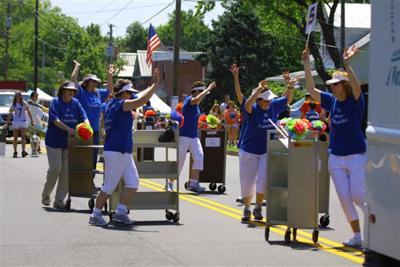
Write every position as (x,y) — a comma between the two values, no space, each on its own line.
(188,136)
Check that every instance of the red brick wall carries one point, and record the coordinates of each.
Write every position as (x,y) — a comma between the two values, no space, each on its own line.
(189,71)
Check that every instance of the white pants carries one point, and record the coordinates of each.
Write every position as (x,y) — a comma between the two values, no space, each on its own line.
(194,146)
(253,173)
(348,175)
(117,166)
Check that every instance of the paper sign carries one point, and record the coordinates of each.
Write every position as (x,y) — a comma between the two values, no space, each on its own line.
(311,18)
(213,142)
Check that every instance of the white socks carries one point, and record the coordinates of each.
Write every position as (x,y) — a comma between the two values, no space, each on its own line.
(96,212)
(121,209)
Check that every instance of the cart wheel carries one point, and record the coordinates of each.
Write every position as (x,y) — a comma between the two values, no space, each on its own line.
(186,185)
(169,215)
(315,236)
(91,204)
(221,188)
(128,211)
(110,215)
(176,217)
(324,220)
(212,186)
(294,234)
(266,234)
(68,204)
(287,236)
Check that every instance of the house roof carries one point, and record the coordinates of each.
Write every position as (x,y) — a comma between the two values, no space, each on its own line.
(169,55)
(145,70)
(356,15)
(129,67)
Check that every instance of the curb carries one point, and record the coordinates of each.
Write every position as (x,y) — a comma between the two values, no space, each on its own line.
(232,153)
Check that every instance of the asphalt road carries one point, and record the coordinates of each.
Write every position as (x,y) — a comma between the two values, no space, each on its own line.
(209,233)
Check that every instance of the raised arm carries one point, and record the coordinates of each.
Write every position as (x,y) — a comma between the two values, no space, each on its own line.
(252,99)
(197,100)
(353,80)
(75,72)
(28,110)
(235,72)
(310,85)
(110,72)
(130,104)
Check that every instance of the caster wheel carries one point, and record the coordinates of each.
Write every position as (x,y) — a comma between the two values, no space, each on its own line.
(176,217)
(266,234)
(110,215)
(186,185)
(221,189)
(294,234)
(91,204)
(169,215)
(324,220)
(128,211)
(315,236)
(212,186)
(287,236)
(68,204)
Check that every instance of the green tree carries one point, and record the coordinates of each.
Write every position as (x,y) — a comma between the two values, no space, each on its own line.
(194,33)
(135,39)
(237,37)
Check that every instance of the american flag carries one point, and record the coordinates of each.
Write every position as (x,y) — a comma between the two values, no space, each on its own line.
(153,42)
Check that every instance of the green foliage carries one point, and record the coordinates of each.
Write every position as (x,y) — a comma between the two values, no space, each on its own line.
(278,89)
(194,33)
(135,39)
(237,38)
(62,40)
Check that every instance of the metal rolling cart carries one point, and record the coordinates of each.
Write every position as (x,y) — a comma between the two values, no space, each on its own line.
(213,143)
(166,168)
(324,183)
(80,171)
(292,185)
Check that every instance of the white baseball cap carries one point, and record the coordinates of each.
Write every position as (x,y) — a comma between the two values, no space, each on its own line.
(91,77)
(337,76)
(127,88)
(267,95)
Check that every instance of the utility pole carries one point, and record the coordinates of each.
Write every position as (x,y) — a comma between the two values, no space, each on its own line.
(35,73)
(110,44)
(7,38)
(342,28)
(43,61)
(177,45)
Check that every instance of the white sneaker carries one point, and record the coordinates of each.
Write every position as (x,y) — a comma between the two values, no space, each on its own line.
(195,187)
(355,241)
(169,187)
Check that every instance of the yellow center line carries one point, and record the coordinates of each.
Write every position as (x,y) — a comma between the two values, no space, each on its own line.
(304,237)
(323,243)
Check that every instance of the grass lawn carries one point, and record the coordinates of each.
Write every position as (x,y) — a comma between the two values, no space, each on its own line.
(232,149)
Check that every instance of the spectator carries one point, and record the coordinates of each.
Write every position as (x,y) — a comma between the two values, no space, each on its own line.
(231,117)
(65,113)
(225,103)
(312,115)
(216,111)
(18,109)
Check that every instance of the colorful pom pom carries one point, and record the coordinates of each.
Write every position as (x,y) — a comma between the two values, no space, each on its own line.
(83,131)
(202,122)
(318,126)
(176,116)
(212,121)
(179,107)
(149,113)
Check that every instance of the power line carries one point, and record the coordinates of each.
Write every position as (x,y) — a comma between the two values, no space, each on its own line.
(117,9)
(51,45)
(130,2)
(164,8)
(98,11)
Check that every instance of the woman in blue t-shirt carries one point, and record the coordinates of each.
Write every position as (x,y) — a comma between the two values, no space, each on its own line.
(347,144)
(91,99)
(64,114)
(118,122)
(262,106)
(188,135)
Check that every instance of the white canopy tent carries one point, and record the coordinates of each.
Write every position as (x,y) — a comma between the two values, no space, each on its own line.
(43,95)
(158,104)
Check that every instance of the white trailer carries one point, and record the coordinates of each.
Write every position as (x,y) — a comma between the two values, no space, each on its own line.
(382,223)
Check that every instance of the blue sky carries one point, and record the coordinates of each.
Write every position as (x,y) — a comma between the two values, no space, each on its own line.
(102,12)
